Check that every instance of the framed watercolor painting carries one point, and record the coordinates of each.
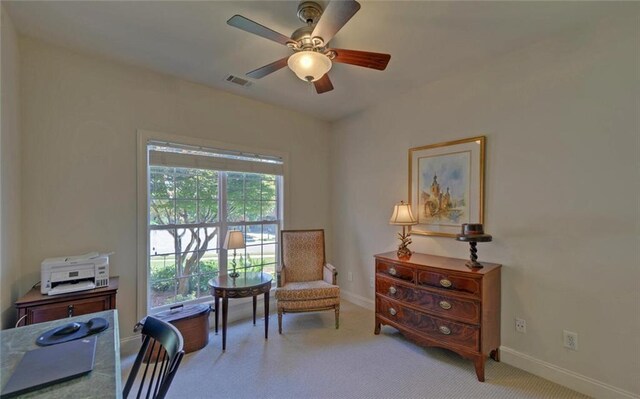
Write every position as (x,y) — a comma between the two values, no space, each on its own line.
(446,186)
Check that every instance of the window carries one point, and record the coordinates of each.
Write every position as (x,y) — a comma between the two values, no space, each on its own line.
(195,197)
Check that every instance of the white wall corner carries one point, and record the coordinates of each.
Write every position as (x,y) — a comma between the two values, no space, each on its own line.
(562,376)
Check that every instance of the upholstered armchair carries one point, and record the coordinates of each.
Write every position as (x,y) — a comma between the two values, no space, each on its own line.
(305,282)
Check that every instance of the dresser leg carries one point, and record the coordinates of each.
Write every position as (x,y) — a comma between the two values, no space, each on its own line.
(376,329)
(495,354)
(479,364)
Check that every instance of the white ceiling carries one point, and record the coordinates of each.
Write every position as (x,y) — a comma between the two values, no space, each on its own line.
(191,40)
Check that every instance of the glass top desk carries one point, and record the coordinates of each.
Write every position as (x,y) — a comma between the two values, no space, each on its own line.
(103,382)
(244,286)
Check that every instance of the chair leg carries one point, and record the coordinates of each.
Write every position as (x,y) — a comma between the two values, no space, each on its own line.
(279,321)
(337,316)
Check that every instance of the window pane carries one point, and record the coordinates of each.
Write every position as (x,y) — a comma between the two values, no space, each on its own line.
(209,262)
(252,211)
(161,242)
(268,188)
(187,289)
(208,211)
(186,211)
(162,292)
(235,210)
(208,238)
(162,267)
(271,269)
(204,284)
(208,184)
(187,239)
(269,210)
(253,234)
(252,186)
(269,253)
(161,182)
(187,264)
(269,233)
(235,186)
(161,212)
(186,183)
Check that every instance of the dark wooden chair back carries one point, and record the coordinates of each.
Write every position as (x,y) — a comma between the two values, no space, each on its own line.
(165,340)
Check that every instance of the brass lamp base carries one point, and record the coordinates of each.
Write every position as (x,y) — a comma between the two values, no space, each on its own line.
(403,253)
(403,249)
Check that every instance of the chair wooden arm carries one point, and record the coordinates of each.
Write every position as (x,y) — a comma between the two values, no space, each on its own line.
(330,274)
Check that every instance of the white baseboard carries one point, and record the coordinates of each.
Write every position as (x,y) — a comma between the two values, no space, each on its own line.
(562,376)
(364,302)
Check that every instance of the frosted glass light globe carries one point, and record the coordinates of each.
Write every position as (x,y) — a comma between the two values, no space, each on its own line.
(309,65)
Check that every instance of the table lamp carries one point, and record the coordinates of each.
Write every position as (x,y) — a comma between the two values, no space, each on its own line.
(473,233)
(234,240)
(402,216)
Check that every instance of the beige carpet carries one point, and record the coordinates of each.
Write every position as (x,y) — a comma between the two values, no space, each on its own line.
(312,359)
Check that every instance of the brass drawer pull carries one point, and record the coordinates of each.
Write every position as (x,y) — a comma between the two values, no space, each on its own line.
(393,271)
(392,311)
(444,330)
(445,283)
(392,290)
(445,305)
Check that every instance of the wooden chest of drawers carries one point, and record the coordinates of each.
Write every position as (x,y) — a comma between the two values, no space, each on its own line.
(438,301)
(34,307)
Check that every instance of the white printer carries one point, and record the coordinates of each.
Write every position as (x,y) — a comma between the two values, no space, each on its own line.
(74,273)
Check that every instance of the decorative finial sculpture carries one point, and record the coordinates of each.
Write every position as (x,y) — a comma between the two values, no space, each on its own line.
(473,233)
(402,216)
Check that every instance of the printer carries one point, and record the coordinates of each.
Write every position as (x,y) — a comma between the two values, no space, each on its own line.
(74,273)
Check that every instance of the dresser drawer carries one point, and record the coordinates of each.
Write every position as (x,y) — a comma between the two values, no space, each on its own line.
(442,279)
(467,311)
(445,331)
(396,271)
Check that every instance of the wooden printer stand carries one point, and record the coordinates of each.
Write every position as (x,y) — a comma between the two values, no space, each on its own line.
(34,307)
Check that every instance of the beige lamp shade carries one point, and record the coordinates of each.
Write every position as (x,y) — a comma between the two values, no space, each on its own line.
(233,240)
(402,215)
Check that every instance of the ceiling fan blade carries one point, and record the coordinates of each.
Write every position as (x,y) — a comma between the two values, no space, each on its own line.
(247,25)
(334,17)
(269,68)
(323,84)
(365,59)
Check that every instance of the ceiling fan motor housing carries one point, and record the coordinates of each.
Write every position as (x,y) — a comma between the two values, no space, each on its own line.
(309,12)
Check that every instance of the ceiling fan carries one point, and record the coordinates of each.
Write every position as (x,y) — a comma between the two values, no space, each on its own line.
(312,58)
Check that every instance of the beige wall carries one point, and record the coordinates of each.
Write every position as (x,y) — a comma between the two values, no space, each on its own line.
(562,191)
(80,119)
(10,262)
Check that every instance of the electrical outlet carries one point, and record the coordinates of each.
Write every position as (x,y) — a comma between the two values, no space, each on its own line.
(349,276)
(521,325)
(372,283)
(570,340)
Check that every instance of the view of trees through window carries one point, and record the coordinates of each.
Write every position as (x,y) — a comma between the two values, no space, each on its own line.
(190,212)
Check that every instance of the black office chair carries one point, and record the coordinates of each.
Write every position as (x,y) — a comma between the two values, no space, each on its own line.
(162,346)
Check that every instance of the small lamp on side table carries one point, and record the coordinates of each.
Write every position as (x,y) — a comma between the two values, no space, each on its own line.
(234,240)
(402,216)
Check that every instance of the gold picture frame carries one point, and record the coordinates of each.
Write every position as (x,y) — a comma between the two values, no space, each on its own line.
(441,207)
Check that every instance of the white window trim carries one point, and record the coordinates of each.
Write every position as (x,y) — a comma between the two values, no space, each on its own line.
(144,137)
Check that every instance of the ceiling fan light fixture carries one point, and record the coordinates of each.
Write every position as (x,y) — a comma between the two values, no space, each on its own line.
(309,65)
